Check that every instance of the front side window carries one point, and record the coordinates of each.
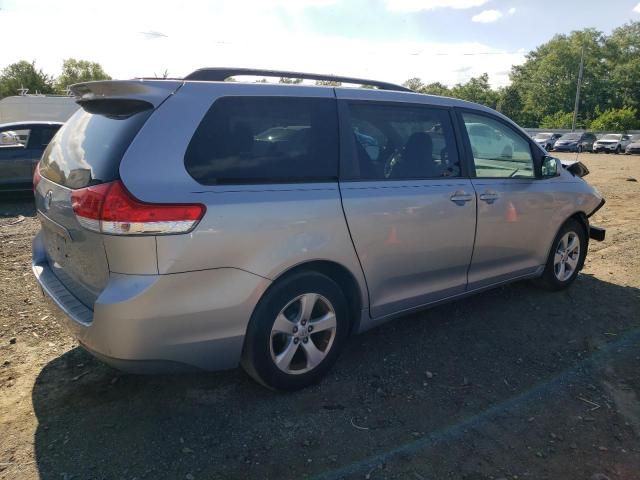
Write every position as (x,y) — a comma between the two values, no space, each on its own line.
(402,142)
(265,140)
(498,150)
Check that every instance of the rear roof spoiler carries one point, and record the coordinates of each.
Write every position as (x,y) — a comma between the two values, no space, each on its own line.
(153,92)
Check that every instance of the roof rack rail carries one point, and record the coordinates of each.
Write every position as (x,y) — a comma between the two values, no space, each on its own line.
(221,74)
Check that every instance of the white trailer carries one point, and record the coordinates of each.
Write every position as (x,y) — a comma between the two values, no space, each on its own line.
(29,108)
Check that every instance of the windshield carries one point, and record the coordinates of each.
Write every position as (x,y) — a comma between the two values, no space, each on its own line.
(542,136)
(612,136)
(570,136)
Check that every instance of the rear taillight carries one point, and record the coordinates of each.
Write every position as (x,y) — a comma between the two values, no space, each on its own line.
(110,208)
(36,177)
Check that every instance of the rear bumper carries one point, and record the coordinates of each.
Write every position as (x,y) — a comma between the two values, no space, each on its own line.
(159,323)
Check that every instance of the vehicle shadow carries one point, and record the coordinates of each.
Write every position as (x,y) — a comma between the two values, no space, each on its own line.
(422,373)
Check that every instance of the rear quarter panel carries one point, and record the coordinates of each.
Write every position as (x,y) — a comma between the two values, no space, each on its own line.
(263,229)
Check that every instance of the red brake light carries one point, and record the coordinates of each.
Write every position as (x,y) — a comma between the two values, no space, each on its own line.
(36,176)
(110,208)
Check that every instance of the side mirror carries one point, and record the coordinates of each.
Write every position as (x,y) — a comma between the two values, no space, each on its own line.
(550,167)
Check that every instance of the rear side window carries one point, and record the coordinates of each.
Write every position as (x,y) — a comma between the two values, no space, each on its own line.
(265,140)
(89,147)
(402,142)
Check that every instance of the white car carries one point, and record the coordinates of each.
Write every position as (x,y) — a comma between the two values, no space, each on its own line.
(612,142)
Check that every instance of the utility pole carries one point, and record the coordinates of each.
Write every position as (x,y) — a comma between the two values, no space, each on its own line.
(575,108)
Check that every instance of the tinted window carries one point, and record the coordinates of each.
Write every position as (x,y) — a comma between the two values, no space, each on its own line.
(265,140)
(47,134)
(402,142)
(498,150)
(89,147)
(14,138)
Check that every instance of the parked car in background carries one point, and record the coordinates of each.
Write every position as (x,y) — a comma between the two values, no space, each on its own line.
(21,146)
(41,108)
(611,143)
(634,144)
(280,219)
(546,139)
(575,142)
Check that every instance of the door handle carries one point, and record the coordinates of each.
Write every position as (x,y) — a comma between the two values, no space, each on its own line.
(461,197)
(489,196)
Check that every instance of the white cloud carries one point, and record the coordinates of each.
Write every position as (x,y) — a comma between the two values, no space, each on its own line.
(511,11)
(637,8)
(487,16)
(407,6)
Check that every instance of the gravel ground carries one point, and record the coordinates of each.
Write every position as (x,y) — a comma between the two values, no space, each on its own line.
(516,383)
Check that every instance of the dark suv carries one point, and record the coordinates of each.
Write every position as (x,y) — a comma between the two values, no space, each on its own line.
(575,142)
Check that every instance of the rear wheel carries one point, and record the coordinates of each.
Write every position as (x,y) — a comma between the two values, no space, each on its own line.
(567,255)
(296,332)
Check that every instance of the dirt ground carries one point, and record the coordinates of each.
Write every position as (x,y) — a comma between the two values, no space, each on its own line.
(516,383)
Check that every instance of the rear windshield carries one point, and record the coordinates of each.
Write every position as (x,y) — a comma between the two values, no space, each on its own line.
(88,148)
(265,140)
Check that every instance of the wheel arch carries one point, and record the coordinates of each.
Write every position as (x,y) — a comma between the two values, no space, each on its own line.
(583,220)
(339,274)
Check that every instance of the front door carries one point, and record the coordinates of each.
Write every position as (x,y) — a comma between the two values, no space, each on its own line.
(513,207)
(410,211)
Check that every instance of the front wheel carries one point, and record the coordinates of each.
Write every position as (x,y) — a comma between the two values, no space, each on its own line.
(618,150)
(566,257)
(296,332)
(579,148)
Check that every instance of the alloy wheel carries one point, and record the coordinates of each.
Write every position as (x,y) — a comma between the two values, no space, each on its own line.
(303,333)
(567,255)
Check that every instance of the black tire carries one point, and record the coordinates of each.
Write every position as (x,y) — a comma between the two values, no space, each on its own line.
(549,278)
(618,150)
(257,358)
(579,148)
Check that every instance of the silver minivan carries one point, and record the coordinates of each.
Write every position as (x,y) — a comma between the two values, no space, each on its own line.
(197,223)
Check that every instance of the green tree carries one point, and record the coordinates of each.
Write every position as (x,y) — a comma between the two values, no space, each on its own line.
(436,88)
(77,71)
(414,84)
(477,90)
(617,120)
(290,81)
(557,120)
(546,82)
(622,59)
(23,74)
(510,104)
(328,83)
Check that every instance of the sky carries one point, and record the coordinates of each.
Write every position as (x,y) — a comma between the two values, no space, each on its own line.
(447,41)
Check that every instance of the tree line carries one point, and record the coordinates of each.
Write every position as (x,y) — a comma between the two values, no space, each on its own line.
(25,74)
(542,89)
(541,92)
